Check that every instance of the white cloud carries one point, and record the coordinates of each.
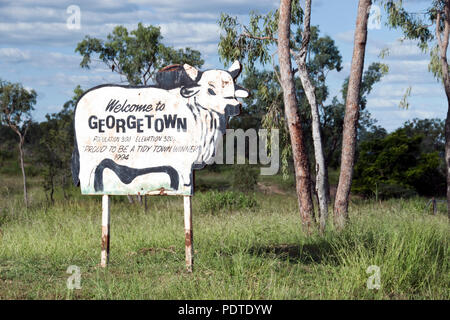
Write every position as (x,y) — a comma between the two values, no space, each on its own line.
(346,36)
(374,102)
(392,118)
(397,50)
(13,55)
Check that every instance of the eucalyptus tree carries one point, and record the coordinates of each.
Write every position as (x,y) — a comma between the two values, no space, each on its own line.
(300,58)
(137,55)
(431,29)
(16,105)
(255,43)
(56,146)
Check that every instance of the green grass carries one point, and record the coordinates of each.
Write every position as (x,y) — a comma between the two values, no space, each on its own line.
(241,254)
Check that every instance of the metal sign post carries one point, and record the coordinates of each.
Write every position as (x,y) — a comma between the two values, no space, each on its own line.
(188,233)
(105,230)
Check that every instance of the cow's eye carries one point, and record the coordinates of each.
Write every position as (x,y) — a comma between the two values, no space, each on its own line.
(211,92)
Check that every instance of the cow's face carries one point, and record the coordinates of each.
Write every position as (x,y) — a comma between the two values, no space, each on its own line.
(216,89)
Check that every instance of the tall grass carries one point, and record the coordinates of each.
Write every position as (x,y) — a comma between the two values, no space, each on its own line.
(239,254)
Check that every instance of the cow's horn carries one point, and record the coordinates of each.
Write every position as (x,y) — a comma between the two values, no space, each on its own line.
(191,71)
(235,69)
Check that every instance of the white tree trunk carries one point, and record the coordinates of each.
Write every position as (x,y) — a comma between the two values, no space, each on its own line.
(300,59)
(317,142)
(22,166)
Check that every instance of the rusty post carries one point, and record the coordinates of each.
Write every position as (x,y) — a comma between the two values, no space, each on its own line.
(105,231)
(145,203)
(189,237)
(434,206)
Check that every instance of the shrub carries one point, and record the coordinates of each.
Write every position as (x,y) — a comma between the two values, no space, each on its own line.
(244,178)
(214,201)
(393,190)
(395,166)
(210,183)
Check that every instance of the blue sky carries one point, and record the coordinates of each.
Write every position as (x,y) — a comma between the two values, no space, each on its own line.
(37,48)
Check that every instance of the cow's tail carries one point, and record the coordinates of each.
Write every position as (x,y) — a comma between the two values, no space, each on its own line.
(127,174)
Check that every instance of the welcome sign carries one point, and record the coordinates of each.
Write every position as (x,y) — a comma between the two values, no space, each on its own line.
(148,140)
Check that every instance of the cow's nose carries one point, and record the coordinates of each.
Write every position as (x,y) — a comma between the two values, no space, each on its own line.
(232,109)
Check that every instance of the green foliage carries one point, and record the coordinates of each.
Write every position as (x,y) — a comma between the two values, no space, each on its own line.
(435,66)
(244,178)
(395,166)
(323,56)
(236,45)
(264,93)
(206,180)
(16,105)
(137,55)
(56,146)
(10,168)
(413,27)
(432,132)
(265,105)
(254,42)
(5,155)
(419,26)
(215,201)
(270,96)
(404,104)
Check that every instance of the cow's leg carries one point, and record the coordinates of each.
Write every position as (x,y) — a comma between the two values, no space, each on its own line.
(186,181)
(188,233)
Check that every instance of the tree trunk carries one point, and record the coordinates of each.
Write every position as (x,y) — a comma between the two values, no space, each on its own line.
(321,176)
(22,166)
(351,116)
(302,176)
(447,153)
(327,184)
(443,46)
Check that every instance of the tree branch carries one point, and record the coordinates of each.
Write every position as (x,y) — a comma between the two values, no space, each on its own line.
(145,73)
(438,32)
(275,70)
(306,34)
(248,34)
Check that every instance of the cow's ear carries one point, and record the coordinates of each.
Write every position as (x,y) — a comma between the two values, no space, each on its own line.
(240,92)
(191,71)
(235,69)
(188,92)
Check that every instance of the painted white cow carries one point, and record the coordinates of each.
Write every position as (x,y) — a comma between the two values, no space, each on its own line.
(148,140)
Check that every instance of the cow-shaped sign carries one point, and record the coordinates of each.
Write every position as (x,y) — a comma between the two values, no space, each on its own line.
(148,140)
